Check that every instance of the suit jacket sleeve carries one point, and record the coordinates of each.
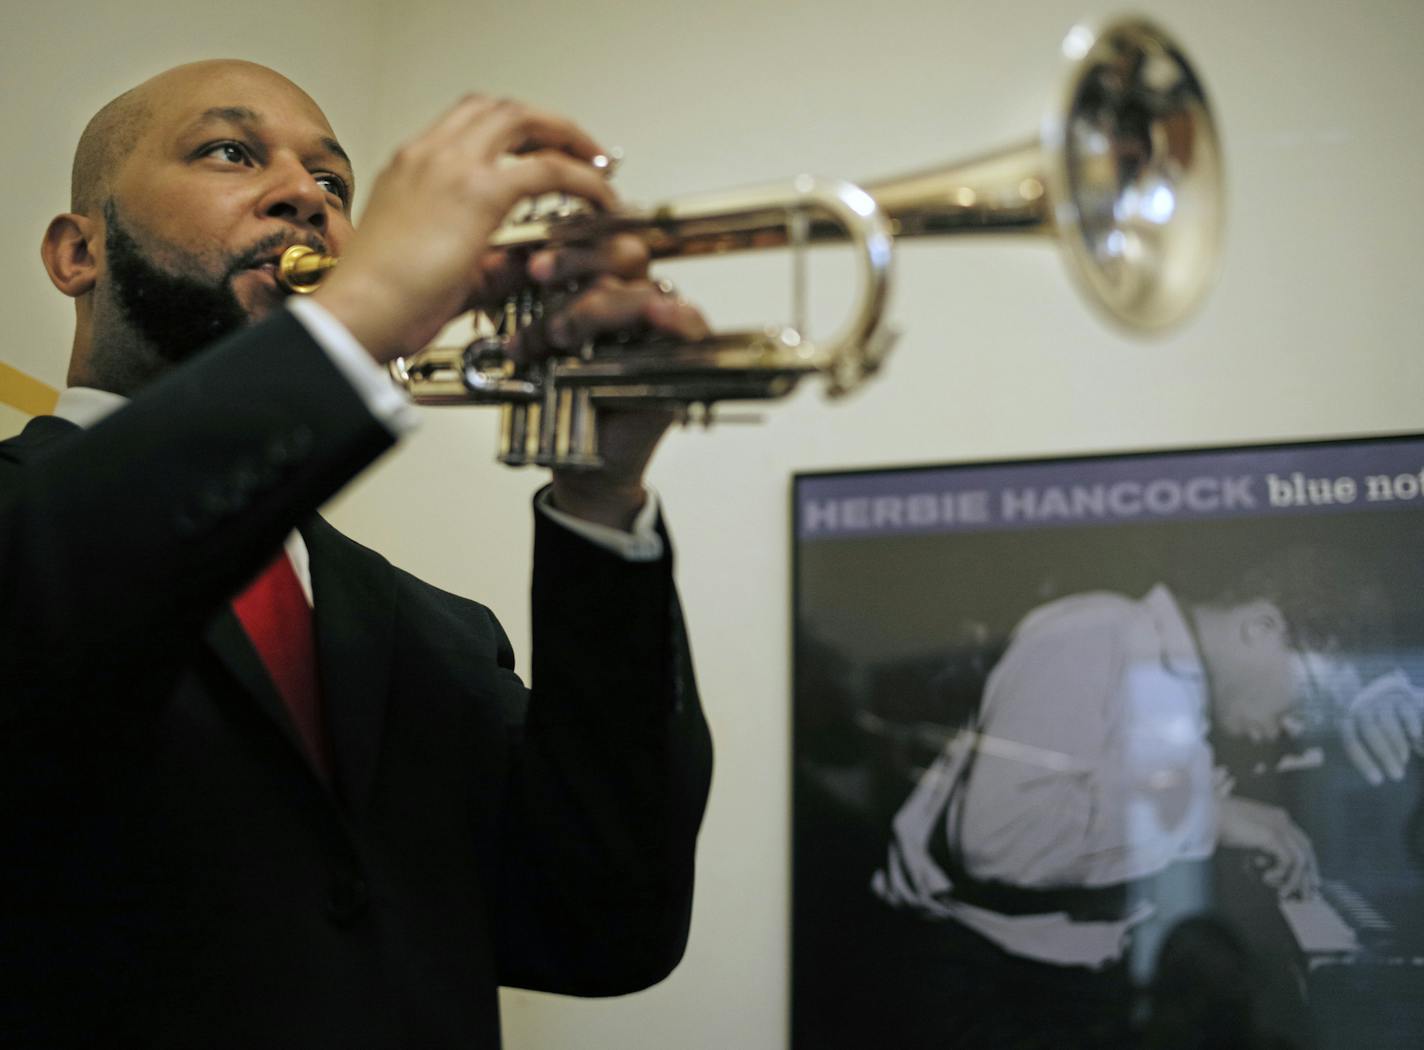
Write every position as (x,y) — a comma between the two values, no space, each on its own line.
(120,542)
(609,778)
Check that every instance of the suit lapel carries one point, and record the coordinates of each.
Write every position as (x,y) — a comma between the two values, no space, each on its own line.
(229,642)
(224,636)
(354,592)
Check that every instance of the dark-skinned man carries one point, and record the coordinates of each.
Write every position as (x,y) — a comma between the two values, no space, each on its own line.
(260,788)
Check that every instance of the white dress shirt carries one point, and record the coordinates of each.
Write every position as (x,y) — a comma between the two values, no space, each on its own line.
(1092,770)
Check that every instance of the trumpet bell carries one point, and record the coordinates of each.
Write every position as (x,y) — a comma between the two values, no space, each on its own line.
(1125,174)
(1134,175)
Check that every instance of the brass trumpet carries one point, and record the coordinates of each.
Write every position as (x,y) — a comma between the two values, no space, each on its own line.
(1125,174)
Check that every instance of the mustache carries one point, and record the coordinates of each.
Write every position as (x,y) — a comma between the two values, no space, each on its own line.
(268,249)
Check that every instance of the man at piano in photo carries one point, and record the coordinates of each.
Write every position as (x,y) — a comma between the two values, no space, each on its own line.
(1062,832)
(260,787)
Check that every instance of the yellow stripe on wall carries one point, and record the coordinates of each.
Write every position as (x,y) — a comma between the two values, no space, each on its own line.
(25,393)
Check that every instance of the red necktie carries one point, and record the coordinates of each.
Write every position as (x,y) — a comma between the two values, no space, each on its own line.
(275,614)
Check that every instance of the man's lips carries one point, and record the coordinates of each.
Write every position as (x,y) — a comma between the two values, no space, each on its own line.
(266,267)
(263,281)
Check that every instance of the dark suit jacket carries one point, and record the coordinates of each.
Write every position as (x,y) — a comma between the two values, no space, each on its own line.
(173,872)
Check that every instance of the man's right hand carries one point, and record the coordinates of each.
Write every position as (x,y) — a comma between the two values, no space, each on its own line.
(1382,726)
(420,257)
(1269,830)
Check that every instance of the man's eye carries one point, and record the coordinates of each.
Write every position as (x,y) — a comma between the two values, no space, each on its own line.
(334,185)
(233,152)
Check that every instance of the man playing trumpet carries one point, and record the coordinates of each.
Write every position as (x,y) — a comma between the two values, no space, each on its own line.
(261,788)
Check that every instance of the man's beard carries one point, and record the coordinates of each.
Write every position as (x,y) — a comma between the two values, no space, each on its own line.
(176,315)
(170,316)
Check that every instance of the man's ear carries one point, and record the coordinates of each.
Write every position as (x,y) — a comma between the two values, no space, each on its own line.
(69,255)
(1261,621)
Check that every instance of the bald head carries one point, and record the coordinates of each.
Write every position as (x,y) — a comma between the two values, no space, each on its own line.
(114,131)
(108,139)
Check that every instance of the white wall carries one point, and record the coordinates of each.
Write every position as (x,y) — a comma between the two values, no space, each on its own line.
(1313,331)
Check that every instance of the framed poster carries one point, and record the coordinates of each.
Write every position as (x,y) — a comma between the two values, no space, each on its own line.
(1111,751)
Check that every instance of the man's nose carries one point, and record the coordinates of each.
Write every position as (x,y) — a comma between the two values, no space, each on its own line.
(293,194)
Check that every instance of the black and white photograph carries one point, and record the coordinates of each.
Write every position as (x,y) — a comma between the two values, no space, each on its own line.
(1115,751)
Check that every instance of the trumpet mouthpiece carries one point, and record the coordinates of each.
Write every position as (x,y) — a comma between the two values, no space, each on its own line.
(301,269)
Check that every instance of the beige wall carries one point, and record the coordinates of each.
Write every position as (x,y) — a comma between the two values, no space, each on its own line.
(1314,330)
(60,60)
(11,420)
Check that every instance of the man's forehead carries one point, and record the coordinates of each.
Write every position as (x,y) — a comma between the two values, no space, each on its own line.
(238,92)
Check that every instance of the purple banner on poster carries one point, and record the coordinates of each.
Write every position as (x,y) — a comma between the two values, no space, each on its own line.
(1382,474)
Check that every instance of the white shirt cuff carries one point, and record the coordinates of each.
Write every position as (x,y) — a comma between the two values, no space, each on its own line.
(372,383)
(641,544)
(394,409)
